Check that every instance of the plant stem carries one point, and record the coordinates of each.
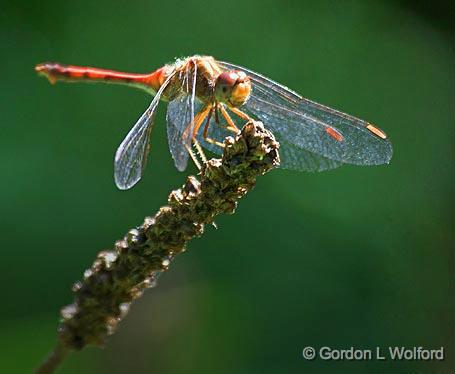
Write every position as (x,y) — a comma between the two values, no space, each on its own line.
(120,275)
(53,360)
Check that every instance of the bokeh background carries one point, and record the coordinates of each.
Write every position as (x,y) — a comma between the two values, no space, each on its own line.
(357,256)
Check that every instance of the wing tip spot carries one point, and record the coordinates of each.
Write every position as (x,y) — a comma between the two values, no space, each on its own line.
(376,131)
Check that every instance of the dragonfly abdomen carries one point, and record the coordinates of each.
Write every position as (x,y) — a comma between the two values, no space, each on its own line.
(71,73)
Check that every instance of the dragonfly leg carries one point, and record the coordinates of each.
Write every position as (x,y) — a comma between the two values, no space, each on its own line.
(193,157)
(200,151)
(206,127)
(213,141)
(196,122)
(207,123)
(199,119)
(217,117)
(231,125)
(241,114)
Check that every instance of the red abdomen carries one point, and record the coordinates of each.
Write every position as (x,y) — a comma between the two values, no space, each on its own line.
(55,72)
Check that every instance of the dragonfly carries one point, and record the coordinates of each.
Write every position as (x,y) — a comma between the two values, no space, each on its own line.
(208,100)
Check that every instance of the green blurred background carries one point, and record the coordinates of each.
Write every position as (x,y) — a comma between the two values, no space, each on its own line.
(357,256)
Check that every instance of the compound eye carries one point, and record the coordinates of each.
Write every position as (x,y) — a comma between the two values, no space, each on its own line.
(226,81)
(233,87)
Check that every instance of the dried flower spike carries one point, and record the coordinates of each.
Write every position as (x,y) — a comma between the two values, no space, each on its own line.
(119,276)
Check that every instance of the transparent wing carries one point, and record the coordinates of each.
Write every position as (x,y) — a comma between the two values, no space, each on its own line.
(308,126)
(180,119)
(291,157)
(131,155)
(296,158)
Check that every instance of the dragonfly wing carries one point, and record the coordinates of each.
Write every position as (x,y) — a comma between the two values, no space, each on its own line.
(131,155)
(290,156)
(296,158)
(180,119)
(313,127)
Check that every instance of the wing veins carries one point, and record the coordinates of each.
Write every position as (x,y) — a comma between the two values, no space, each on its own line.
(131,155)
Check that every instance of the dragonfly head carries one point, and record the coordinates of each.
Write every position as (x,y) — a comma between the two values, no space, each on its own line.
(233,87)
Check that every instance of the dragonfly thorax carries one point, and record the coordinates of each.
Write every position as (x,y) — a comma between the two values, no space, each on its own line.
(233,88)
(208,80)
